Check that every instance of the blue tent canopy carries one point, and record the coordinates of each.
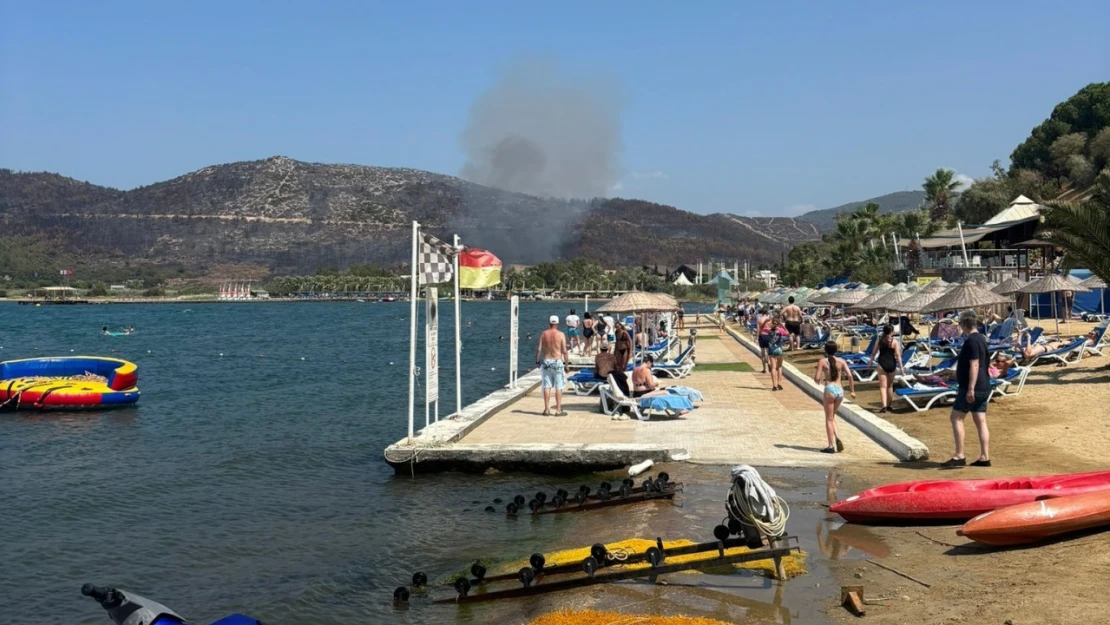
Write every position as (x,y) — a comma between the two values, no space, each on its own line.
(1040,304)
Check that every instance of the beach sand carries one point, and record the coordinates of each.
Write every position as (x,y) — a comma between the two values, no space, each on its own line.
(1059,424)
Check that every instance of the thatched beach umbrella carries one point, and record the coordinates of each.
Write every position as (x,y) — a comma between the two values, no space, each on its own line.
(1095,282)
(965,296)
(638,302)
(1009,286)
(851,296)
(1053,283)
(918,299)
(890,300)
(877,293)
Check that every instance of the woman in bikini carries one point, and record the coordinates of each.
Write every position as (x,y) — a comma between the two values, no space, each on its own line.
(830,371)
(887,353)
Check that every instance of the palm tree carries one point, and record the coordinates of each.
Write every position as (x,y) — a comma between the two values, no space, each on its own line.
(940,193)
(1082,230)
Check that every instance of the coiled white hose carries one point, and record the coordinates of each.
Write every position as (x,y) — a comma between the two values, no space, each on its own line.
(753,502)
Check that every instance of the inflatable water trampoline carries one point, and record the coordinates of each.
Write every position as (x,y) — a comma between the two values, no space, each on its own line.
(73,383)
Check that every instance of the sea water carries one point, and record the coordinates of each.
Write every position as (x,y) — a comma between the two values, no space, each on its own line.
(250,475)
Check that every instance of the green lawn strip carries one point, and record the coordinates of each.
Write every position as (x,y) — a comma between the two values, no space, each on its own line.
(725,366)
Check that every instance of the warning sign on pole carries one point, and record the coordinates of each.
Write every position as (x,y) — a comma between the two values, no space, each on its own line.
(431,344)
(514,334)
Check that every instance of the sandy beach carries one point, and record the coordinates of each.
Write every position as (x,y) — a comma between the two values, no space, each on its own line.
(1059,424)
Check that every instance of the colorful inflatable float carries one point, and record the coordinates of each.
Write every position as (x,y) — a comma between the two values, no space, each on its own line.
(73,383)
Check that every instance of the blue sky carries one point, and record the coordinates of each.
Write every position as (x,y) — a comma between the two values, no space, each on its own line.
(754,108)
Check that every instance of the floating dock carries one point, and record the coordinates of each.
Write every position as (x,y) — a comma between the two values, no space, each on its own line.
(740,421)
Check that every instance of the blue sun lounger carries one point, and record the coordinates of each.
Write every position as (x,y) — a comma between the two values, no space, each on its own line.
(866,372)
(923,398)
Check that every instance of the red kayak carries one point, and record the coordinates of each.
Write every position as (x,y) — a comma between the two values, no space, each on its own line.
(960,500)
(1039,520)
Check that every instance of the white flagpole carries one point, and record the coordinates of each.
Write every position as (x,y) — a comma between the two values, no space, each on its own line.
(412,328)
(458,335)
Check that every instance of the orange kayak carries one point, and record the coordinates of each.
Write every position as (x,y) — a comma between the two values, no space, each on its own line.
(1039,520)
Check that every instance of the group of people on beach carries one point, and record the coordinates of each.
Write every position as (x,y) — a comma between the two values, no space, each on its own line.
(781,330)
(612,341)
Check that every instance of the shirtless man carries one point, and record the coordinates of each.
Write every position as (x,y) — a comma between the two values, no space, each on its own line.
(792,318)
(551,356)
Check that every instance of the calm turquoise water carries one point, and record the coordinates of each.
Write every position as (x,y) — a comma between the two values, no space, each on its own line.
(254,481)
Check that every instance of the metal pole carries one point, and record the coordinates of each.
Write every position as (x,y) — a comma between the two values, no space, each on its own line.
(412,328)
(458,335)
(963,246)
(587,303)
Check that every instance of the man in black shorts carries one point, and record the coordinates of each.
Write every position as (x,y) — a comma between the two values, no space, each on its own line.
(973,392)
(792,319)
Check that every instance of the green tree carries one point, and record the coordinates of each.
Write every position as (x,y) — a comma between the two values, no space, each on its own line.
(1066,146)
(983,199)
(1099,149)
(941,190)
(1087,112)
(1082,230)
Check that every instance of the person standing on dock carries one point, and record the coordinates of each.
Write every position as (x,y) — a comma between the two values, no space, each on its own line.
(574,333)
(551,356)
(623,344)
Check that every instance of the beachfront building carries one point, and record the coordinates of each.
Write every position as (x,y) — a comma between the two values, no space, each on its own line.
(1003,247)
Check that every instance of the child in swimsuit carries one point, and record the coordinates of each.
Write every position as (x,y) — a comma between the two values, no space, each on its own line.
(832,370)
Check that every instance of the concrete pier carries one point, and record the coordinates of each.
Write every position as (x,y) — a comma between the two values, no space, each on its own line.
(740,421)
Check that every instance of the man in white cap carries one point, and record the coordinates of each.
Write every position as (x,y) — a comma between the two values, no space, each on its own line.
(551,356)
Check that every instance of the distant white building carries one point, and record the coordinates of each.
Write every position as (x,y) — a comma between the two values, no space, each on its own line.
(769,278)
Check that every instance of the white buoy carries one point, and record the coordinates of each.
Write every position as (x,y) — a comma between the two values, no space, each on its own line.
(302,357)
(390,364)
(148,351)
(637,469)
(493,368)
(221,354)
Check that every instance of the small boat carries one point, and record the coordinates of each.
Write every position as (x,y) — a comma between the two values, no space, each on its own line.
(1039,520)
(388,298)
(72,383)
(960,500)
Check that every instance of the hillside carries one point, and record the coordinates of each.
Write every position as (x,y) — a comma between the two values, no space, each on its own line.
(897,202)
(295,217)
(618,230)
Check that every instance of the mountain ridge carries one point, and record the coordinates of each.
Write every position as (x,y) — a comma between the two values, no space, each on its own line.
(294,216)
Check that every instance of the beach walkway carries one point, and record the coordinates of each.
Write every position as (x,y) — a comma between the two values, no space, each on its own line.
(740,420)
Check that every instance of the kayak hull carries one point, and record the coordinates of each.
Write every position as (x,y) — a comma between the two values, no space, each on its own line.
(1039,520)
(960,500)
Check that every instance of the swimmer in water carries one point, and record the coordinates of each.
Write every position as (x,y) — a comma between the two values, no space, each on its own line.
(469,323)
(501,338)
(106,330)
(529,336)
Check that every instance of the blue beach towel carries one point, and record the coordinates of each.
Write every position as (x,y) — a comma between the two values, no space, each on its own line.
(666,402)
(685,391)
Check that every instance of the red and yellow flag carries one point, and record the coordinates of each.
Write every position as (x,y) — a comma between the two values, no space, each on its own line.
(478,269)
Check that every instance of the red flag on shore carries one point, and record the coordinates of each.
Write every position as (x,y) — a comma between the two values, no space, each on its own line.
(478,269)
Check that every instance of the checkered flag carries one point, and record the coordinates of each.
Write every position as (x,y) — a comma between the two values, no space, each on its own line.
(435,260)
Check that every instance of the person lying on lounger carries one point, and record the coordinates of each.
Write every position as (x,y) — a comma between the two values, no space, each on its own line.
(643,382)
(1037,349)
(1000,368)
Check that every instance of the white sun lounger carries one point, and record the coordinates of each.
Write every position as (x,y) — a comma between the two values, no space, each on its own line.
(613,400)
